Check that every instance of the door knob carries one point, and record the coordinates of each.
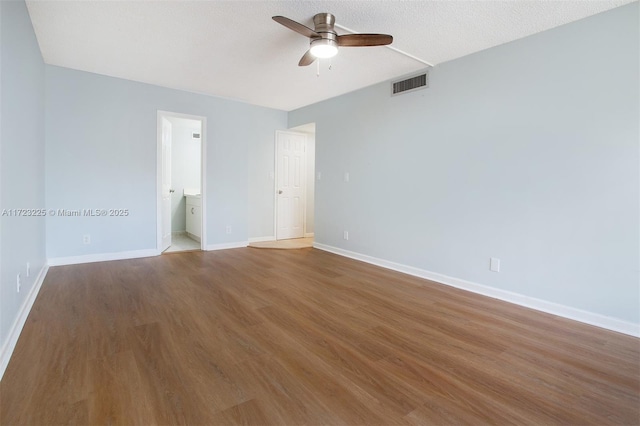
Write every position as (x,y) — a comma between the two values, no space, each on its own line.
(280,191)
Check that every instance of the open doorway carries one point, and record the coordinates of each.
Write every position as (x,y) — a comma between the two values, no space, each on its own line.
(181,169)
(295,185)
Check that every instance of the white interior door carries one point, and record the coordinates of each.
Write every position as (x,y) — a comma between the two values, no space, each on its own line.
(290,184)
(166,184)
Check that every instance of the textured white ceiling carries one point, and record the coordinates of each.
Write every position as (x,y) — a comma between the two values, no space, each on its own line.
(234,49)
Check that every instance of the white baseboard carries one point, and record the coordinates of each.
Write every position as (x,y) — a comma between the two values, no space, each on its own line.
(10,344)
(225,246)
(262,239)
(102,257)
(193,237)
(591,318)
(308,234)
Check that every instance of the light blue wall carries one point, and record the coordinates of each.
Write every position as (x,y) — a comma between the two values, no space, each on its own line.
(311,183)
(528,152)
(101,153)
(21,159)
(261,185)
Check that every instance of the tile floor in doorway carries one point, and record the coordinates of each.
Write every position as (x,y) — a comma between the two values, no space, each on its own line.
(182,242)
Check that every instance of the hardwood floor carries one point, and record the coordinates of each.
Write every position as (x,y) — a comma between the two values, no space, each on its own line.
(289,337)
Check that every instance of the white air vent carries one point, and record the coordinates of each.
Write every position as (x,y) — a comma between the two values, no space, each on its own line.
(410,84)
(195,135)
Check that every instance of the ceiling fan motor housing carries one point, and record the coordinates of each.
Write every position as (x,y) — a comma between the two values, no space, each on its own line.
(323,23)
(327,44)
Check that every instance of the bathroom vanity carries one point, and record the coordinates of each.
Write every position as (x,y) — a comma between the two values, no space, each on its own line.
(194,215)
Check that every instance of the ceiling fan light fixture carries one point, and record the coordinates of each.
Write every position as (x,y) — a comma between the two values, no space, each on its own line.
(324,48)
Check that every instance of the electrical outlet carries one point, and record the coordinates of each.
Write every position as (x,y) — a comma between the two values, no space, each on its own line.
(86,239)
(319,177)
(28,269)
(345,235)
(18,283)
(494,264)
(229,229)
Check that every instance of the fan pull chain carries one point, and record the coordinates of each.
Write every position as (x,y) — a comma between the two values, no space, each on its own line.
(318,68)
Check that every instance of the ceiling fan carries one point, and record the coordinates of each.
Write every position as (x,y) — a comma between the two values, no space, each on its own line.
(324,41)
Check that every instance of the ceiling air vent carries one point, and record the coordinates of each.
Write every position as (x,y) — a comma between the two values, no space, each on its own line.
(410,84)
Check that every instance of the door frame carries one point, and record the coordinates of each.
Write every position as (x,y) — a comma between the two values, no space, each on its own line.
(275,183)
(203,174)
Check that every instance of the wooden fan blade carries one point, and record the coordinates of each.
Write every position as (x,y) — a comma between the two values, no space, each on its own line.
(307,59)
(354,40)
(295,26)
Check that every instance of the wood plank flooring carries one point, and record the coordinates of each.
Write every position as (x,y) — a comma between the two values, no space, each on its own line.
(302,337)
